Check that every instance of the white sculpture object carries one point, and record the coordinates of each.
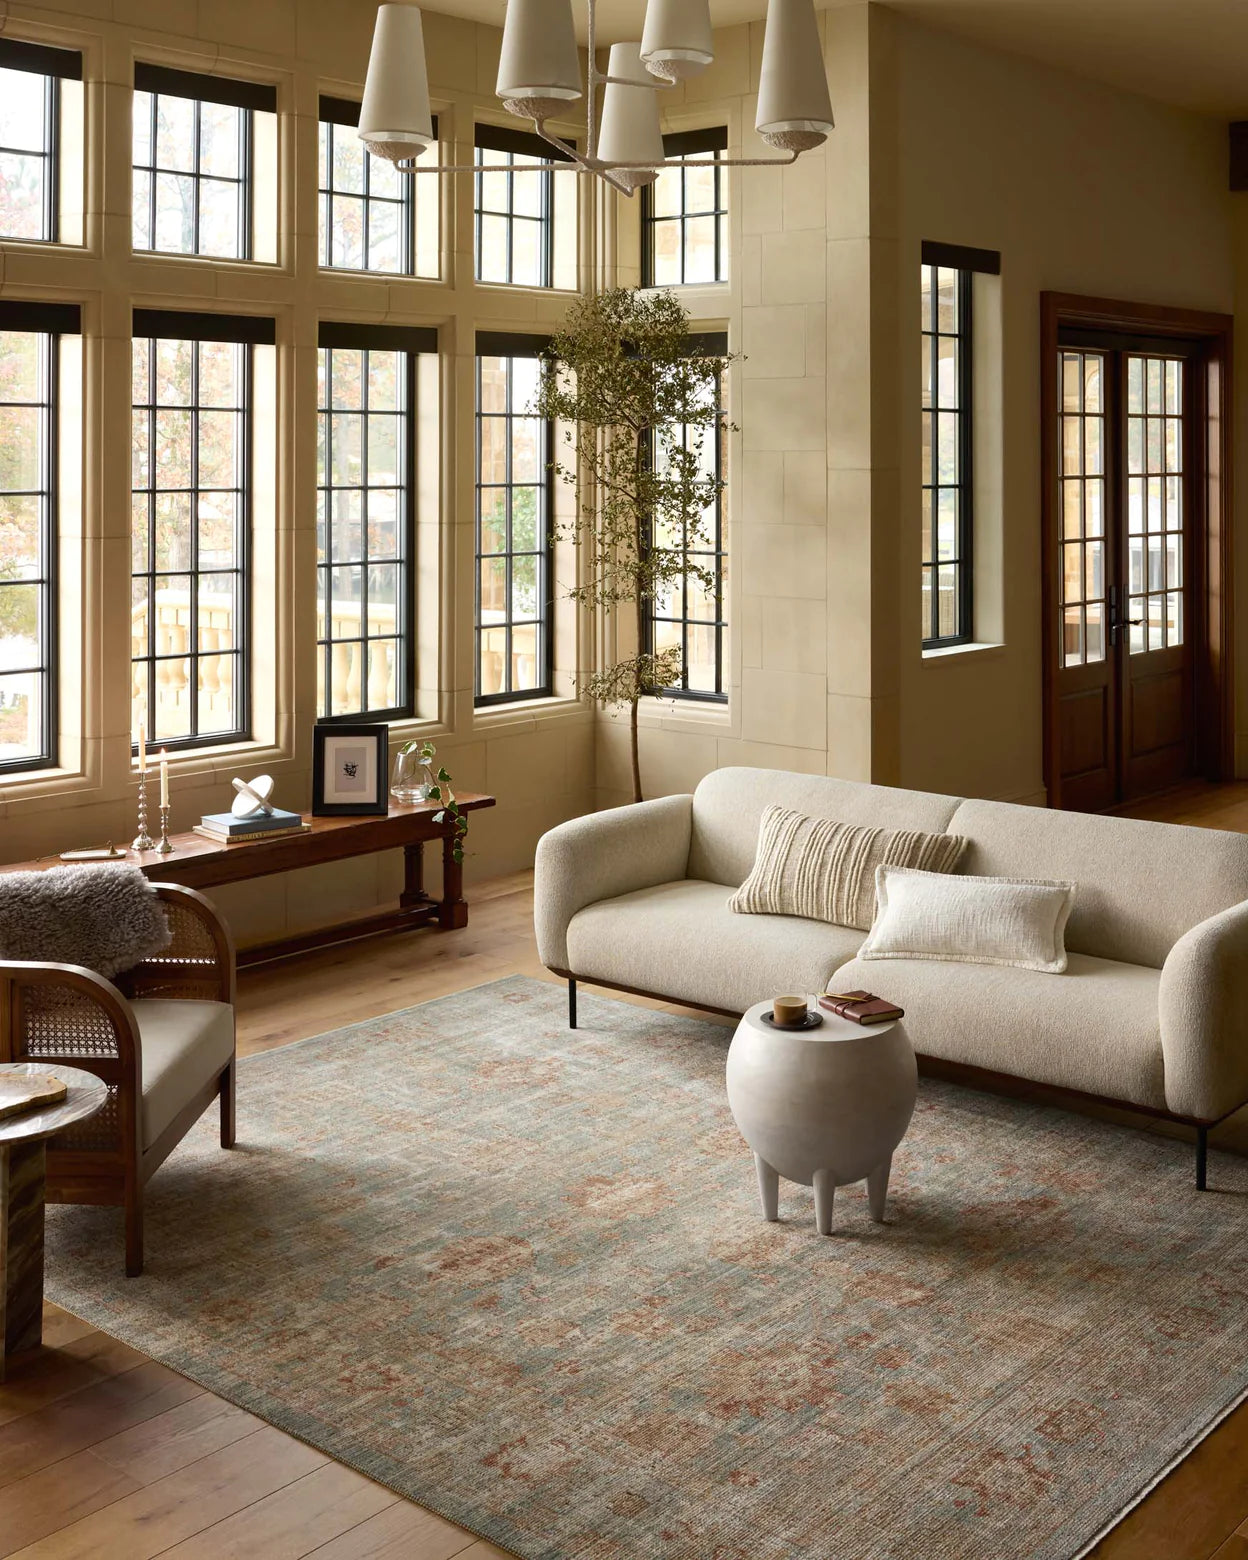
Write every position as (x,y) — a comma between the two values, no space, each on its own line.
(252,799)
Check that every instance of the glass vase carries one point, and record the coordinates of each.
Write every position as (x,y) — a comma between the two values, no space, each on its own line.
(412,779)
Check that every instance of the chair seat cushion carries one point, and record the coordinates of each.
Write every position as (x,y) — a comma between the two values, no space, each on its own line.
(681,940)
(185,1046)
(1096,1028)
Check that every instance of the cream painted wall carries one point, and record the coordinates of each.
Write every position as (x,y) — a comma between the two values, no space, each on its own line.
(1084,189)
(537,758)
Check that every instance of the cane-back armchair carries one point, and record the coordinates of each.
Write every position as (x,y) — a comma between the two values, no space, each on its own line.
(160,1035)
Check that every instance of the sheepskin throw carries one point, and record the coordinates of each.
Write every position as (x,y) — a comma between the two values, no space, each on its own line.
(105,918)
(826,871)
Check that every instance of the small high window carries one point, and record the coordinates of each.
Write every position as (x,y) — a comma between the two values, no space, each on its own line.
(191,524)
(29,372)
(373,217)
(514,518)
(368,384)
(40,111)
(196,164)
(684,214)
(525,215)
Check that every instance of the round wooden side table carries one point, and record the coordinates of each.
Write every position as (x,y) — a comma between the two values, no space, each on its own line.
(824,1107)
(22,1160)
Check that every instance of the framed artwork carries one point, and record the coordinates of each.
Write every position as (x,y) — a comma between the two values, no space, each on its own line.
(349,771)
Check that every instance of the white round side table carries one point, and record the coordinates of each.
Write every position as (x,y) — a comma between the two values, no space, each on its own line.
(824,1107)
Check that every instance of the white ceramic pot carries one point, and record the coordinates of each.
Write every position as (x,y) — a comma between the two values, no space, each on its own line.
(823,1107)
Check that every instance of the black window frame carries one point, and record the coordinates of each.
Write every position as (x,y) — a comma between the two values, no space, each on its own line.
(688,143)
(412,341)
(510,344)
(497,138)
(250,96)
(54,65)
(51,321)
(967,262)
(712,344)
(248,331)
(344,114)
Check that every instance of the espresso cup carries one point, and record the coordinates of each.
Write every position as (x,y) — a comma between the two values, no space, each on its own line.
(788,1011)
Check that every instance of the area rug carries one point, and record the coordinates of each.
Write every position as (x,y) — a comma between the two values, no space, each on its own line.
(518,1274)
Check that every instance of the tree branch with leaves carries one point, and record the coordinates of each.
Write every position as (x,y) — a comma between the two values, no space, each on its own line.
(639,401)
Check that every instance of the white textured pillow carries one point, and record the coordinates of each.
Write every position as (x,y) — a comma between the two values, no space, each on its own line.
(969,920)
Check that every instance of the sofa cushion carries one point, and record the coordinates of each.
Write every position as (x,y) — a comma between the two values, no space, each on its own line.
(1095,1028)
(185,1045)
(1140,886)
(681,939)
(827,871)
(728,807)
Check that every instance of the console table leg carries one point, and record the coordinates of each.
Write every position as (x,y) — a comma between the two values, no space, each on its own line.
(825,1196)
(21,1248)
(413,877)
(452,908)
(768,1189)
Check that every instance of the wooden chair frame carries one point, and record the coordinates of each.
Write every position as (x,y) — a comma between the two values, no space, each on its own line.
(62,1013)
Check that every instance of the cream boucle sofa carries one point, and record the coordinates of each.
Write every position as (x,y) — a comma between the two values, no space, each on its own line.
(1152,1013)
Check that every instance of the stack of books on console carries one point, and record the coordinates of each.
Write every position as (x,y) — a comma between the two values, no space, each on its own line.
(225,828)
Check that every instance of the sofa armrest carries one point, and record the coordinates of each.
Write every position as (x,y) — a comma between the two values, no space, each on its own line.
(1204,1017)
(198,964)
(602,855)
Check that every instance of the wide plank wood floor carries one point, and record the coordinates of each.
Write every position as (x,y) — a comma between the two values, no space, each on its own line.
(106,1455)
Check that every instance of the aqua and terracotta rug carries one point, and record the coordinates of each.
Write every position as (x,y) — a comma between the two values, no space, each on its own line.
(518,1274)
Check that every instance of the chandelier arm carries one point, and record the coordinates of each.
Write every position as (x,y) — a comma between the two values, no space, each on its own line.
(657,85)
(596,165)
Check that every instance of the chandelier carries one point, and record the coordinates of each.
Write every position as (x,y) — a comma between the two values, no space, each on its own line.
(539,78)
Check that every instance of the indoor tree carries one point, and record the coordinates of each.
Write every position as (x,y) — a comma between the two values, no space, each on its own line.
(640,403)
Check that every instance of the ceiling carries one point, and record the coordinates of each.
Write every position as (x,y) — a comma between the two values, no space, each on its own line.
(1191,53)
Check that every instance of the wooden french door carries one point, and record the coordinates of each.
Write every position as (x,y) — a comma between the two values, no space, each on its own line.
(1134,438)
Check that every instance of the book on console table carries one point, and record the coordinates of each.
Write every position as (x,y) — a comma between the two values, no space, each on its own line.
(226,828)
(860,1007)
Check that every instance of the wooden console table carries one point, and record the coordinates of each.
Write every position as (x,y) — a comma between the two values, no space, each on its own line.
(198,862)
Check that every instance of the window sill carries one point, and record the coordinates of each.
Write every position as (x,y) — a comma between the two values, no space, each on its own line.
(977,649)
(528,712)
(685,714)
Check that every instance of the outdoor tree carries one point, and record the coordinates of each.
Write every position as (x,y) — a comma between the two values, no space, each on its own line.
(639,402)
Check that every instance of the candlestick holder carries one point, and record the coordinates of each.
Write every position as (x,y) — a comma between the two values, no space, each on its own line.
(142,840)
(164,847)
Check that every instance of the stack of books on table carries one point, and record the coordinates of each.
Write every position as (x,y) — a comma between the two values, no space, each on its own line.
(225,828)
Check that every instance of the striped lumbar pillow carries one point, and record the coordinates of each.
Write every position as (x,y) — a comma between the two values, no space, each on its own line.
(826,871)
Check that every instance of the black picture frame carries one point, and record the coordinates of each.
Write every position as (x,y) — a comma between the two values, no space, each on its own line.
(331,791)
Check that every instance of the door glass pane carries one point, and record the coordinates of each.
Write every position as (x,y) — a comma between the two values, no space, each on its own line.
(1155,445)
(1083,434)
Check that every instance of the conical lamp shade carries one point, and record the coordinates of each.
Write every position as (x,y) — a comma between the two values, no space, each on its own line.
(630,118)
(676,40)
(538,69)
(794,106)
(394,117)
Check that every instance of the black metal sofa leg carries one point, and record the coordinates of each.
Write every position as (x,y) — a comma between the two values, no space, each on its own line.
(1202,1157)
(571,1004)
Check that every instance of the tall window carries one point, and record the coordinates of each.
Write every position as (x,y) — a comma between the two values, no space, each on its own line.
(373,217)
(29,339)
(194,162)
(525,218)
(691,615)
(191,525)
(30,137)
(684,214)
(513,616)
(366,519)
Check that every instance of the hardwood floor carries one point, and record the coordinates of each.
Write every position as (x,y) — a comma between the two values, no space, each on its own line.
(106,1455)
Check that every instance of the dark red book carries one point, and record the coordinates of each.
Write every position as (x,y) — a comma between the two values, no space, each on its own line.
(860,1007)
